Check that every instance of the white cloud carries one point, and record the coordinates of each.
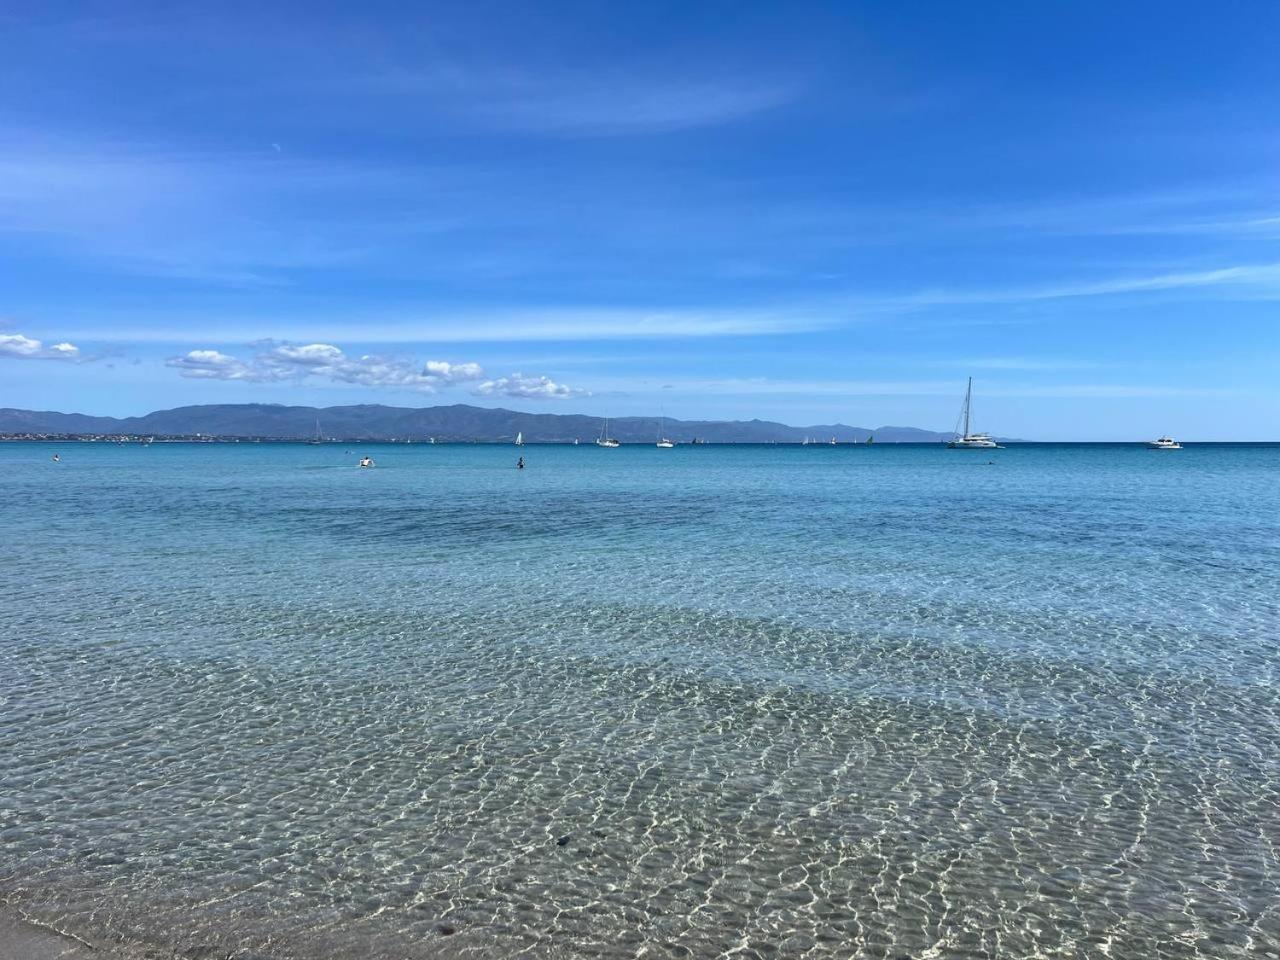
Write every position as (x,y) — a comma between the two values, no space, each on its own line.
(16,346)
(453,372)
(283,362)
(214,365)
(532,388)
(310,355)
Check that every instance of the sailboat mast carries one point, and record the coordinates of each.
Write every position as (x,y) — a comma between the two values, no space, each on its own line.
(968,400)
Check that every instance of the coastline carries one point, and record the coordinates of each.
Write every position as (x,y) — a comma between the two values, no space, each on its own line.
(23,939)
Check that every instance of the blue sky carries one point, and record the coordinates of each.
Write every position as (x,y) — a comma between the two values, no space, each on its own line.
(803,212)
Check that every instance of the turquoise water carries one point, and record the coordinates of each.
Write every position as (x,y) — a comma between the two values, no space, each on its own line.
(894,701)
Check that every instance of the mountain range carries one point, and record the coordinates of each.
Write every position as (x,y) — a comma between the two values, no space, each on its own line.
(454,422)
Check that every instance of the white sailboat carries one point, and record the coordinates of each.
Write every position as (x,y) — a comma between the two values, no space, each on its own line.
(519,438)
(663,443)
(605,440)
(967,439)
(317,436)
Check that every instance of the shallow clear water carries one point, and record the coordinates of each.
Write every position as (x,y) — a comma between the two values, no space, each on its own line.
(811,702)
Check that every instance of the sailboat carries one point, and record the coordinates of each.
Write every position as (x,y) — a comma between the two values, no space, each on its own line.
(519,438)
(317,436)
(663,443)
(968,440)
(833,441)
(871,438)
(605,440)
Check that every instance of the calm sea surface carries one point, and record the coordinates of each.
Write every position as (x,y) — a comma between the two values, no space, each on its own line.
(889,701)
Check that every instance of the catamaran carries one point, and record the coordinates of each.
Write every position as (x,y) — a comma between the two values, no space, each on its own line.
(605,440)
(968,440)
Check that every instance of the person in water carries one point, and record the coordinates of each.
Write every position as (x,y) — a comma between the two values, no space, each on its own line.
(366,461)
(520,464)
(57,458)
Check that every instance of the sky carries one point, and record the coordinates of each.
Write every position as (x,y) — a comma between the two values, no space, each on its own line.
(804,212)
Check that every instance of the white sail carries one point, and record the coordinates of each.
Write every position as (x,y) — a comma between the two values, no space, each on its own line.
(519,439)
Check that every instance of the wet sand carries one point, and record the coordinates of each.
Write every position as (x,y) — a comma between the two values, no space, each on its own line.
(20,940)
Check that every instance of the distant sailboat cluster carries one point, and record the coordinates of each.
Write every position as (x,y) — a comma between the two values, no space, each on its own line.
(965,436)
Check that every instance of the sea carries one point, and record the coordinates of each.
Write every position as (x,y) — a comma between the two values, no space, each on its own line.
(887,701)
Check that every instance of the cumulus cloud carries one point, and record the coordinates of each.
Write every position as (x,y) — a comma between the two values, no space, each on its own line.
(213,365)
(16,346)
(288,361)
(453,372)
(307,355)
(533,388)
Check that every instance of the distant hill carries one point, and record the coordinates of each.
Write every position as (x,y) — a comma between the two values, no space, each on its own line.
(454,422)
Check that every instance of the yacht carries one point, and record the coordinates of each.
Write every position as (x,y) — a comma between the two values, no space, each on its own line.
(1164,443)
(605,440)
(967,439)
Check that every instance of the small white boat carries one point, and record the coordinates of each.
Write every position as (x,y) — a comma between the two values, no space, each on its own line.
(663,443)
(519,439)
(833,441)
(605,440)
(1164,443)
(967,439)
